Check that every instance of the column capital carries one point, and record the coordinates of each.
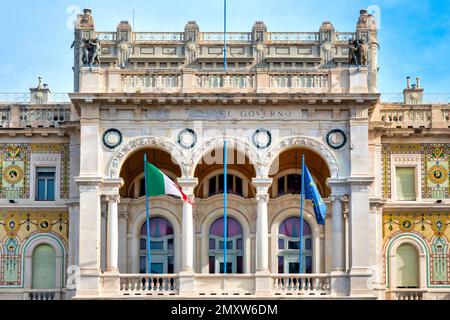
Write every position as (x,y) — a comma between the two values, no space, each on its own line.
(262,185)
(262,198)
(188,184)
(113,197)
(111,185)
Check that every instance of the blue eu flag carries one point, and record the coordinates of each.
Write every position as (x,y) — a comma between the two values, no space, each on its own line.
(313,194)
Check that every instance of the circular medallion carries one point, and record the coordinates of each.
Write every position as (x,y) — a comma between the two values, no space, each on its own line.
(187,138)
(112,138)
(336,139)
(262,138)
(438,174)
(44,225)
(406,225)
(13,174)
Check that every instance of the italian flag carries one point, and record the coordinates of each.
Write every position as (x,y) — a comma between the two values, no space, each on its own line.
(158,184)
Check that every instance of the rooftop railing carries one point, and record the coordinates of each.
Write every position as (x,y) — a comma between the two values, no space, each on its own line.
(428,98)
(27,98)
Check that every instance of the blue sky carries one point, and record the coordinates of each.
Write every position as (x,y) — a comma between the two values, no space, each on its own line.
(414,35)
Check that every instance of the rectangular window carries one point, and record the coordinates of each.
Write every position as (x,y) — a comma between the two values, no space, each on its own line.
(239,265)
(280,186)
(293,267)
(142,264)
(212,265)
(45,183)
(239,244)
(280,264)
(170,244)
(239,186)
(157,268)
(280,244)
(405,183)
(229,267)
(230,183)
(212,244)
(170,264)
(220,189)
(308,244)
(295,245)
(156,245)
(212,186)
(143,244)
(308,264)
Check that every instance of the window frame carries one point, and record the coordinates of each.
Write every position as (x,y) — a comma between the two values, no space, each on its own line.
(408,161)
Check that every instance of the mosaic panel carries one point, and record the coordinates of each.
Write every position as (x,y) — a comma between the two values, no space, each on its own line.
(434,229)
(16,228)
(435,164)
(15,168)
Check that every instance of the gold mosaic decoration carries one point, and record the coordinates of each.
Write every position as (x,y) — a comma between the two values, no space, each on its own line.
(13,174)
(438,174)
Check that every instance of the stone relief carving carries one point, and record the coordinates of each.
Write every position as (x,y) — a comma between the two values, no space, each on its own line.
(133,145)
(309,143)
(91,52)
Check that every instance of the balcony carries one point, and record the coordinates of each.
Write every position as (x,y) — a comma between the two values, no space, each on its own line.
(406,294)
(219,285)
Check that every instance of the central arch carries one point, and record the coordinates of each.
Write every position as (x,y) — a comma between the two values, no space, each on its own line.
(305,142)
(121,155)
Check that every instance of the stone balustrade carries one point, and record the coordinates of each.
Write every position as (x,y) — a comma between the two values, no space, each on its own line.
(158,37)
(225,285)
(301,284)
(318,81)
(147,83)
(212,80)
(34,115)
(232,37)
(220,284)
(149,284)
(426,116)
(406,294)
(401,117)
(42,294)
(292,37)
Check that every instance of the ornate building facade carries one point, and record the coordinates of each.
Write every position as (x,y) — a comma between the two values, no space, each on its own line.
(72,198)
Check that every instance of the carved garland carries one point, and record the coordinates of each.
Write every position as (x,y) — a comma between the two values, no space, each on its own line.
(315,145)
(133,145)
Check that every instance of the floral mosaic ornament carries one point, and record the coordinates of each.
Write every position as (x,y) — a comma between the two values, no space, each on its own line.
(439,225)
(438,174)
(13,174)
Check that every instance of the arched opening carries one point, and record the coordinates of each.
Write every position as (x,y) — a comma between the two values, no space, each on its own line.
(289,246)
(407,263)
(234,245)
(162,247)
(286,173)
(44,267)
(132,171)
(210,174)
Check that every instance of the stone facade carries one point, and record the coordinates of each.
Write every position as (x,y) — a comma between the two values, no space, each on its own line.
(167,95)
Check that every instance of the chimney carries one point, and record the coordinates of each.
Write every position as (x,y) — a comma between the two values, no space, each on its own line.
(413,94)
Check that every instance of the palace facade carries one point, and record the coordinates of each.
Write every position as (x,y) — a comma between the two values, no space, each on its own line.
(72,198)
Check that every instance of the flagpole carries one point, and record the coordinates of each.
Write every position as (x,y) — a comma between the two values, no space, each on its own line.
(302,197)
(225,35)
(225,205)
(149,258)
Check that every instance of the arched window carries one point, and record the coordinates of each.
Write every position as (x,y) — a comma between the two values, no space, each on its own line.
(216,185)
(161,246)
(289,246)
(407,263)
(44,267)
(234,246)
(291,184)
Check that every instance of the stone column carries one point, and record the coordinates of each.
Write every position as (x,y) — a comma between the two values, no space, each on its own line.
(88,284)
(123,241)
(112,257)
(187,238)
(262,278)
(359,241)
(338,235)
